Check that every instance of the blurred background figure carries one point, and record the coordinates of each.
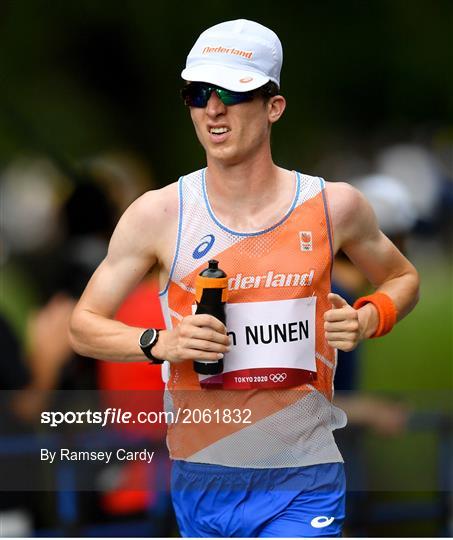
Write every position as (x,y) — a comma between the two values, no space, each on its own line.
(47,259)
(51,244)
(430,186)
(418,173)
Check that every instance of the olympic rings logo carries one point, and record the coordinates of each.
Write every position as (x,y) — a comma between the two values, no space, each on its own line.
(277,377)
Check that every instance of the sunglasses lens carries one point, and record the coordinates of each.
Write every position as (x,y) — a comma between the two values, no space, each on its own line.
(228,97)
(198,94)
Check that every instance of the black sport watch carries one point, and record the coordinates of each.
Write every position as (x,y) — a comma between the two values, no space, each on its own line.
(147,341)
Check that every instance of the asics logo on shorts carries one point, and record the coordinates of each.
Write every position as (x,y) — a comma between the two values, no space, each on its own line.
(206,244)
(277,377)
(321,521)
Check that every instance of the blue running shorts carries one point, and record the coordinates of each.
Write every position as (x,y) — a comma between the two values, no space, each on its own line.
(217,501)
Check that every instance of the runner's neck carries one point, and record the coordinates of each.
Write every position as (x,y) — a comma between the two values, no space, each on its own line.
(245,200)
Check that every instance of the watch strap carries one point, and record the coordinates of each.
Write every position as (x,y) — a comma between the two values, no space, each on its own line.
(147,348)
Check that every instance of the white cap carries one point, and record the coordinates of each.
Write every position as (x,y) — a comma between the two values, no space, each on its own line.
(238,55)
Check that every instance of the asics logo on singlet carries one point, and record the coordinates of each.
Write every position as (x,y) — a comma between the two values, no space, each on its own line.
(277,377)
(271,280)
(321,521)
(205,245)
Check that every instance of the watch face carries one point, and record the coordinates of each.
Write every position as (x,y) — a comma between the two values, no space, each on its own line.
(148,337)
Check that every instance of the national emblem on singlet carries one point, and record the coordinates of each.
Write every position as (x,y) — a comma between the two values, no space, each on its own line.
(278,375)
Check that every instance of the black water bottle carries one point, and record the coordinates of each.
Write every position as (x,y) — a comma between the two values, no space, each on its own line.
(211,295)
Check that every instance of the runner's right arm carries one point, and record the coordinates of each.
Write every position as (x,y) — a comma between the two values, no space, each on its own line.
(134,249)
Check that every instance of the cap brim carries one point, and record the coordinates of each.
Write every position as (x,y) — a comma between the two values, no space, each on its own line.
(232,79)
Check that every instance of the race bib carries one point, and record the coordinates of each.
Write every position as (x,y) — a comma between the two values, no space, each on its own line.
(273,345)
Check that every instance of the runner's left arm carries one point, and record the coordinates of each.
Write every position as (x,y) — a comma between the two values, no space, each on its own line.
(356,232)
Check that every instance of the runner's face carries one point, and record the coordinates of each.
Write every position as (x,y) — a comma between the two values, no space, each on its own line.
(231,133)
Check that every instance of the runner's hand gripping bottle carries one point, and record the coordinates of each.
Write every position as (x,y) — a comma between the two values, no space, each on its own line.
(211,291)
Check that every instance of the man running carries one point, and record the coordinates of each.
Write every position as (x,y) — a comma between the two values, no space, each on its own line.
(264,461)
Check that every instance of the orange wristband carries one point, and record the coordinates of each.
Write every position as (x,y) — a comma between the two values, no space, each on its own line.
(386,311)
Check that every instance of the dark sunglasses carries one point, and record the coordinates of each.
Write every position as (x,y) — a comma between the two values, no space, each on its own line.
(197,95)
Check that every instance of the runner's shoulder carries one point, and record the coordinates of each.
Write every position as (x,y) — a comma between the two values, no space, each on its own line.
(161,200)
(342,192)
(155,205)
(345,202)
(155,208)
